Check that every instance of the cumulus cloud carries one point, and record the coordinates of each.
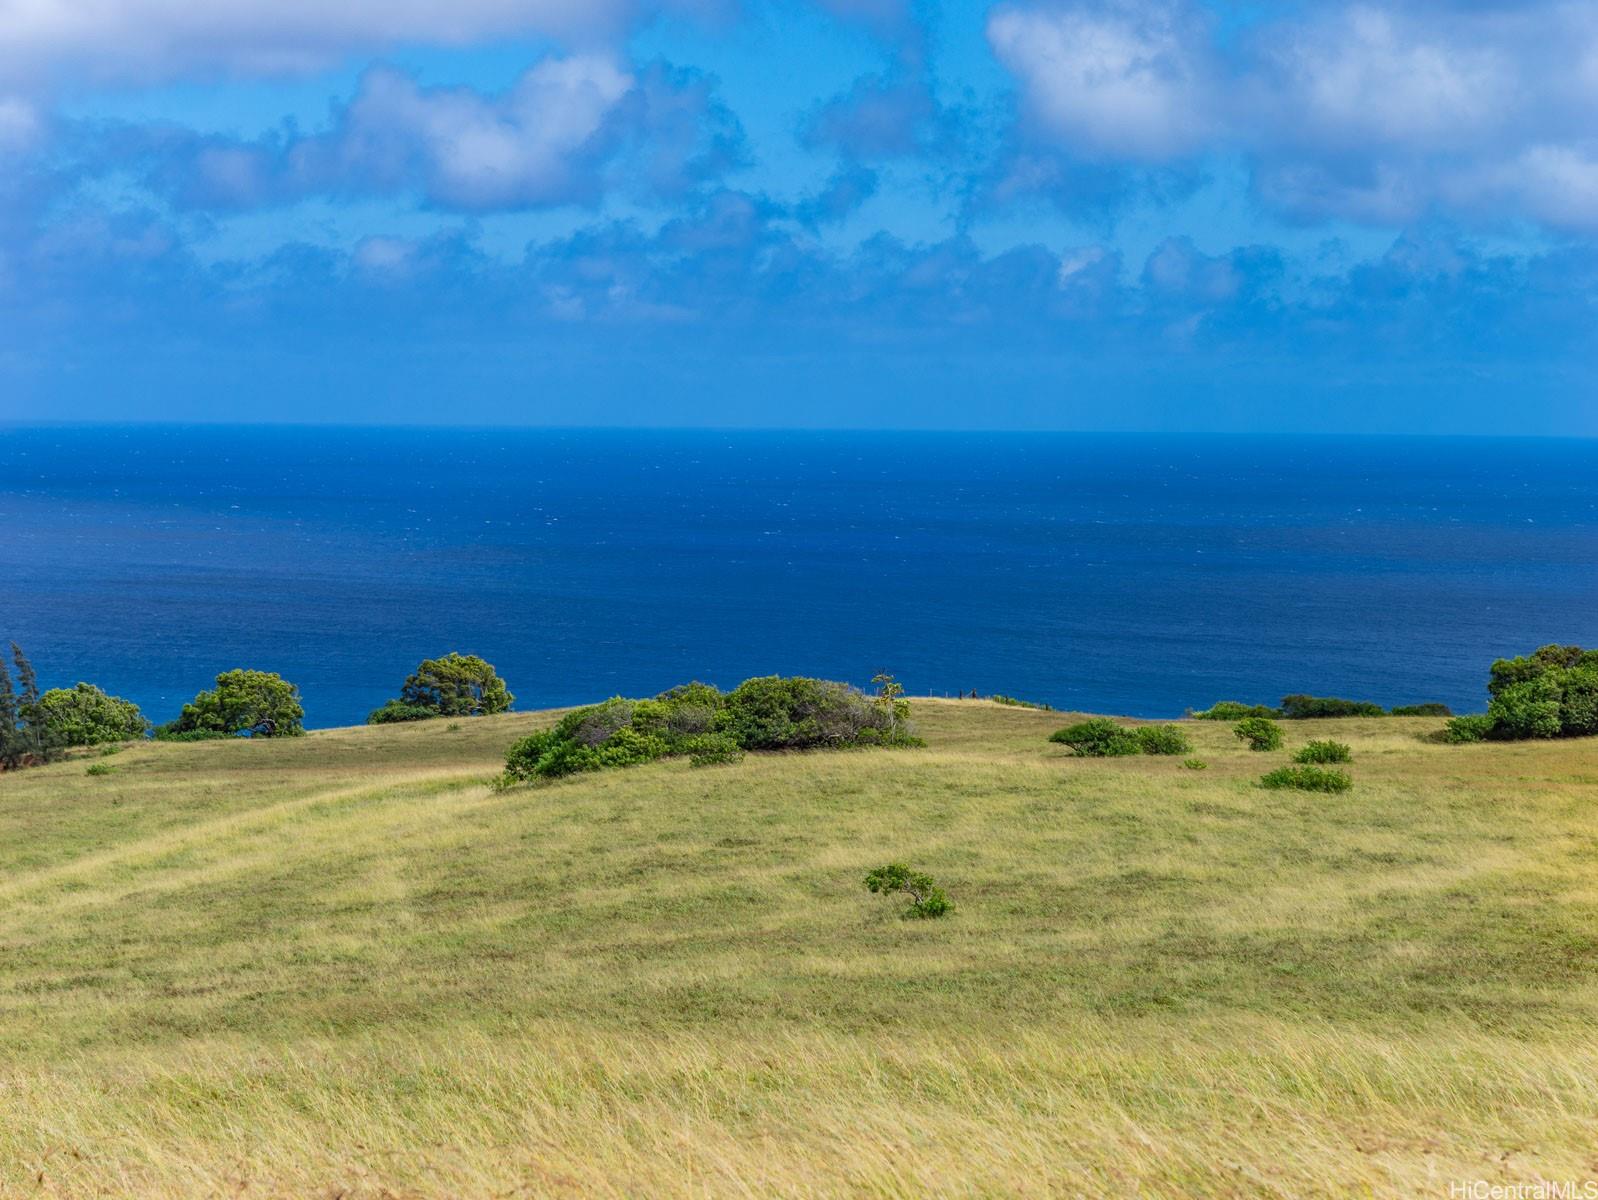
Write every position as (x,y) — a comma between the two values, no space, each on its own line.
(1375,112)
(1124,81)
(143,40)
(567,131)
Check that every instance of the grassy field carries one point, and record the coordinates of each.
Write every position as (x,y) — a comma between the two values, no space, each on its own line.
(341,966)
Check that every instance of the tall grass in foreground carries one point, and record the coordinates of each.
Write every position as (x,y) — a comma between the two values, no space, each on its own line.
(340,965)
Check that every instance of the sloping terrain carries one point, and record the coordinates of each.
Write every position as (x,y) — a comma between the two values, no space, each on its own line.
(341,965)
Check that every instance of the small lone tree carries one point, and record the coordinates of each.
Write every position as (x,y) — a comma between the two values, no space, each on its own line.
(890,698)
(926,898)
(456,685)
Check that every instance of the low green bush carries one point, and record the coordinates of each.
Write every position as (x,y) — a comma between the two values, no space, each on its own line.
(1234,710)
(1475,728)
(98,769)
(1324,752)
(170,733)
(1098,737)
(1162,739)
(394,712)
(1303,708)
(1430,709)
(1260,733)
(926,898)
(1307,779)
(711,750)
(1195,764)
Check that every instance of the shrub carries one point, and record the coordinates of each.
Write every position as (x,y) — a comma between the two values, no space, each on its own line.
(1324,752)
(1551,692)
(1162,739)
(1234,710)
(926,898)
(1527,709)
(1429,709)
(709,727)
(396,711)
(1301,708)
(98,769)
(711,749)
(1261,733)
(83,715)
(776,713)
(1098,737)
(253,703)
(1475,728)
(456,685)
(1307,779)
(1195,764)
(171,733)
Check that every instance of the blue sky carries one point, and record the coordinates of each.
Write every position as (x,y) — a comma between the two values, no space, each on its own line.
(1128,214)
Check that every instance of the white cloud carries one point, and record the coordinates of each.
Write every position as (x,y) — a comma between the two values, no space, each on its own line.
(569,130)
(154,39)
(1377,112)
(469,150)
(1128,81)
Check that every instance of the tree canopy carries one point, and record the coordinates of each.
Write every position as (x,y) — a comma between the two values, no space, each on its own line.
(257,703)
(83,715)
(456,685)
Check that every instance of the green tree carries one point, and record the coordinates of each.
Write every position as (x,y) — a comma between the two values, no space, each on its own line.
(926,898)
(10,735)
(456,685)
(84,715)
(257,703)
(890,699)
(38,742)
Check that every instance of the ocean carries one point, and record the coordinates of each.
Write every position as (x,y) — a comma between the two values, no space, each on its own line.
(1140,575)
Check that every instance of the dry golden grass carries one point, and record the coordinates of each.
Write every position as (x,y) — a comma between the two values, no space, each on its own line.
(343,966)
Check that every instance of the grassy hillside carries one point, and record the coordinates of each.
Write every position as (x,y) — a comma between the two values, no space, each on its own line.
(341,966)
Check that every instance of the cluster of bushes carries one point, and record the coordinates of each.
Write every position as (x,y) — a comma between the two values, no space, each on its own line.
(1309,774)
(1100,737)
(709,726)
(1551,692)
(456,685)
(1303,708)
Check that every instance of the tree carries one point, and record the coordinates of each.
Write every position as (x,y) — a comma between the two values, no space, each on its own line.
(456,685)
(926,898)
(257,703)
(10,740)
(890,699)
(85,716)
(25,734)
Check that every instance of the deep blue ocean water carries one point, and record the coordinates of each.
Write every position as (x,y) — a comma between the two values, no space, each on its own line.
(1136,574)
